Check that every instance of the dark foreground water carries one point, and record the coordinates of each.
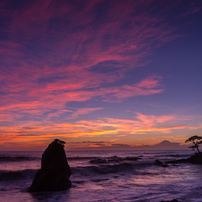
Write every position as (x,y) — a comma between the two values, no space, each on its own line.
(105,176)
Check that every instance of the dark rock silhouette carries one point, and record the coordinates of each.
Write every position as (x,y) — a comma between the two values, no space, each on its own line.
(195,159)
(55,171)
(165,165)
(159,163)
(174,200)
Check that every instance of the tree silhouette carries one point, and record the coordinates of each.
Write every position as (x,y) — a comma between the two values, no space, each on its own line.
(60,142)
(195,140)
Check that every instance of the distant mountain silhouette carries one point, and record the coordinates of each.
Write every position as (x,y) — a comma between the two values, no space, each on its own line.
(164,145)
(168,145)
(165,142)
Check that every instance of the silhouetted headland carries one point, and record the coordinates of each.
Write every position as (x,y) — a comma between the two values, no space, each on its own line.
(55,171)
(195,159)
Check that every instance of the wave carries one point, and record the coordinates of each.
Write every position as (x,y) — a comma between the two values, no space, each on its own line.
(17,158)
(17,175)
(29,158)
(80,158)
(173,155)
(103,169)
(83,171)
(89,159)
(113,159)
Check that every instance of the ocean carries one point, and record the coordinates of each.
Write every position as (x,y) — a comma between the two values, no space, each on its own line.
(105,176)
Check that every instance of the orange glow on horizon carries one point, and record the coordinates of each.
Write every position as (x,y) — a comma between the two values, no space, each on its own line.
(33,132)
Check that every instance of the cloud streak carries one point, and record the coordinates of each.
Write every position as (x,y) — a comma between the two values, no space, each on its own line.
(38,102)
(90,128)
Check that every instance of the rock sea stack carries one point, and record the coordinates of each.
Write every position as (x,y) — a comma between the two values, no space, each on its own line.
(55,171)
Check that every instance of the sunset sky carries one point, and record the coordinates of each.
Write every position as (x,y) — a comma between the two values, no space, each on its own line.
(99,73)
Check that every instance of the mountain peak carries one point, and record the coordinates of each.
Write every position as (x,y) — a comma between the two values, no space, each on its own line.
(164,142)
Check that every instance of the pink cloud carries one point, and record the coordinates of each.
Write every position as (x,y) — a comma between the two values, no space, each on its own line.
(110,40)
(143,88)
(150,82)
(39,99)
(37,19)
(83,111)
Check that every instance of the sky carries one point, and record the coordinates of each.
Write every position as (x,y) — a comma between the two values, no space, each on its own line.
(99,73)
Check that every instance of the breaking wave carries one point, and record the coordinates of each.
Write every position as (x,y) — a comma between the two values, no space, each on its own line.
(174,155)
(113,159)
(80,158)
(104,169)
(17,175)
(17,158)
(123,167)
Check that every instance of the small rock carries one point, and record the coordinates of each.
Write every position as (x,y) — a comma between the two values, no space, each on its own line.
(157,162)
(164,165)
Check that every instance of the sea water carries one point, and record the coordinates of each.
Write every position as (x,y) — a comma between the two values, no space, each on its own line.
(105,176)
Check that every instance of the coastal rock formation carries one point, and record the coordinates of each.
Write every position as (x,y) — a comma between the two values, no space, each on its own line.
(195,159)
(55,171)
(157,162)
